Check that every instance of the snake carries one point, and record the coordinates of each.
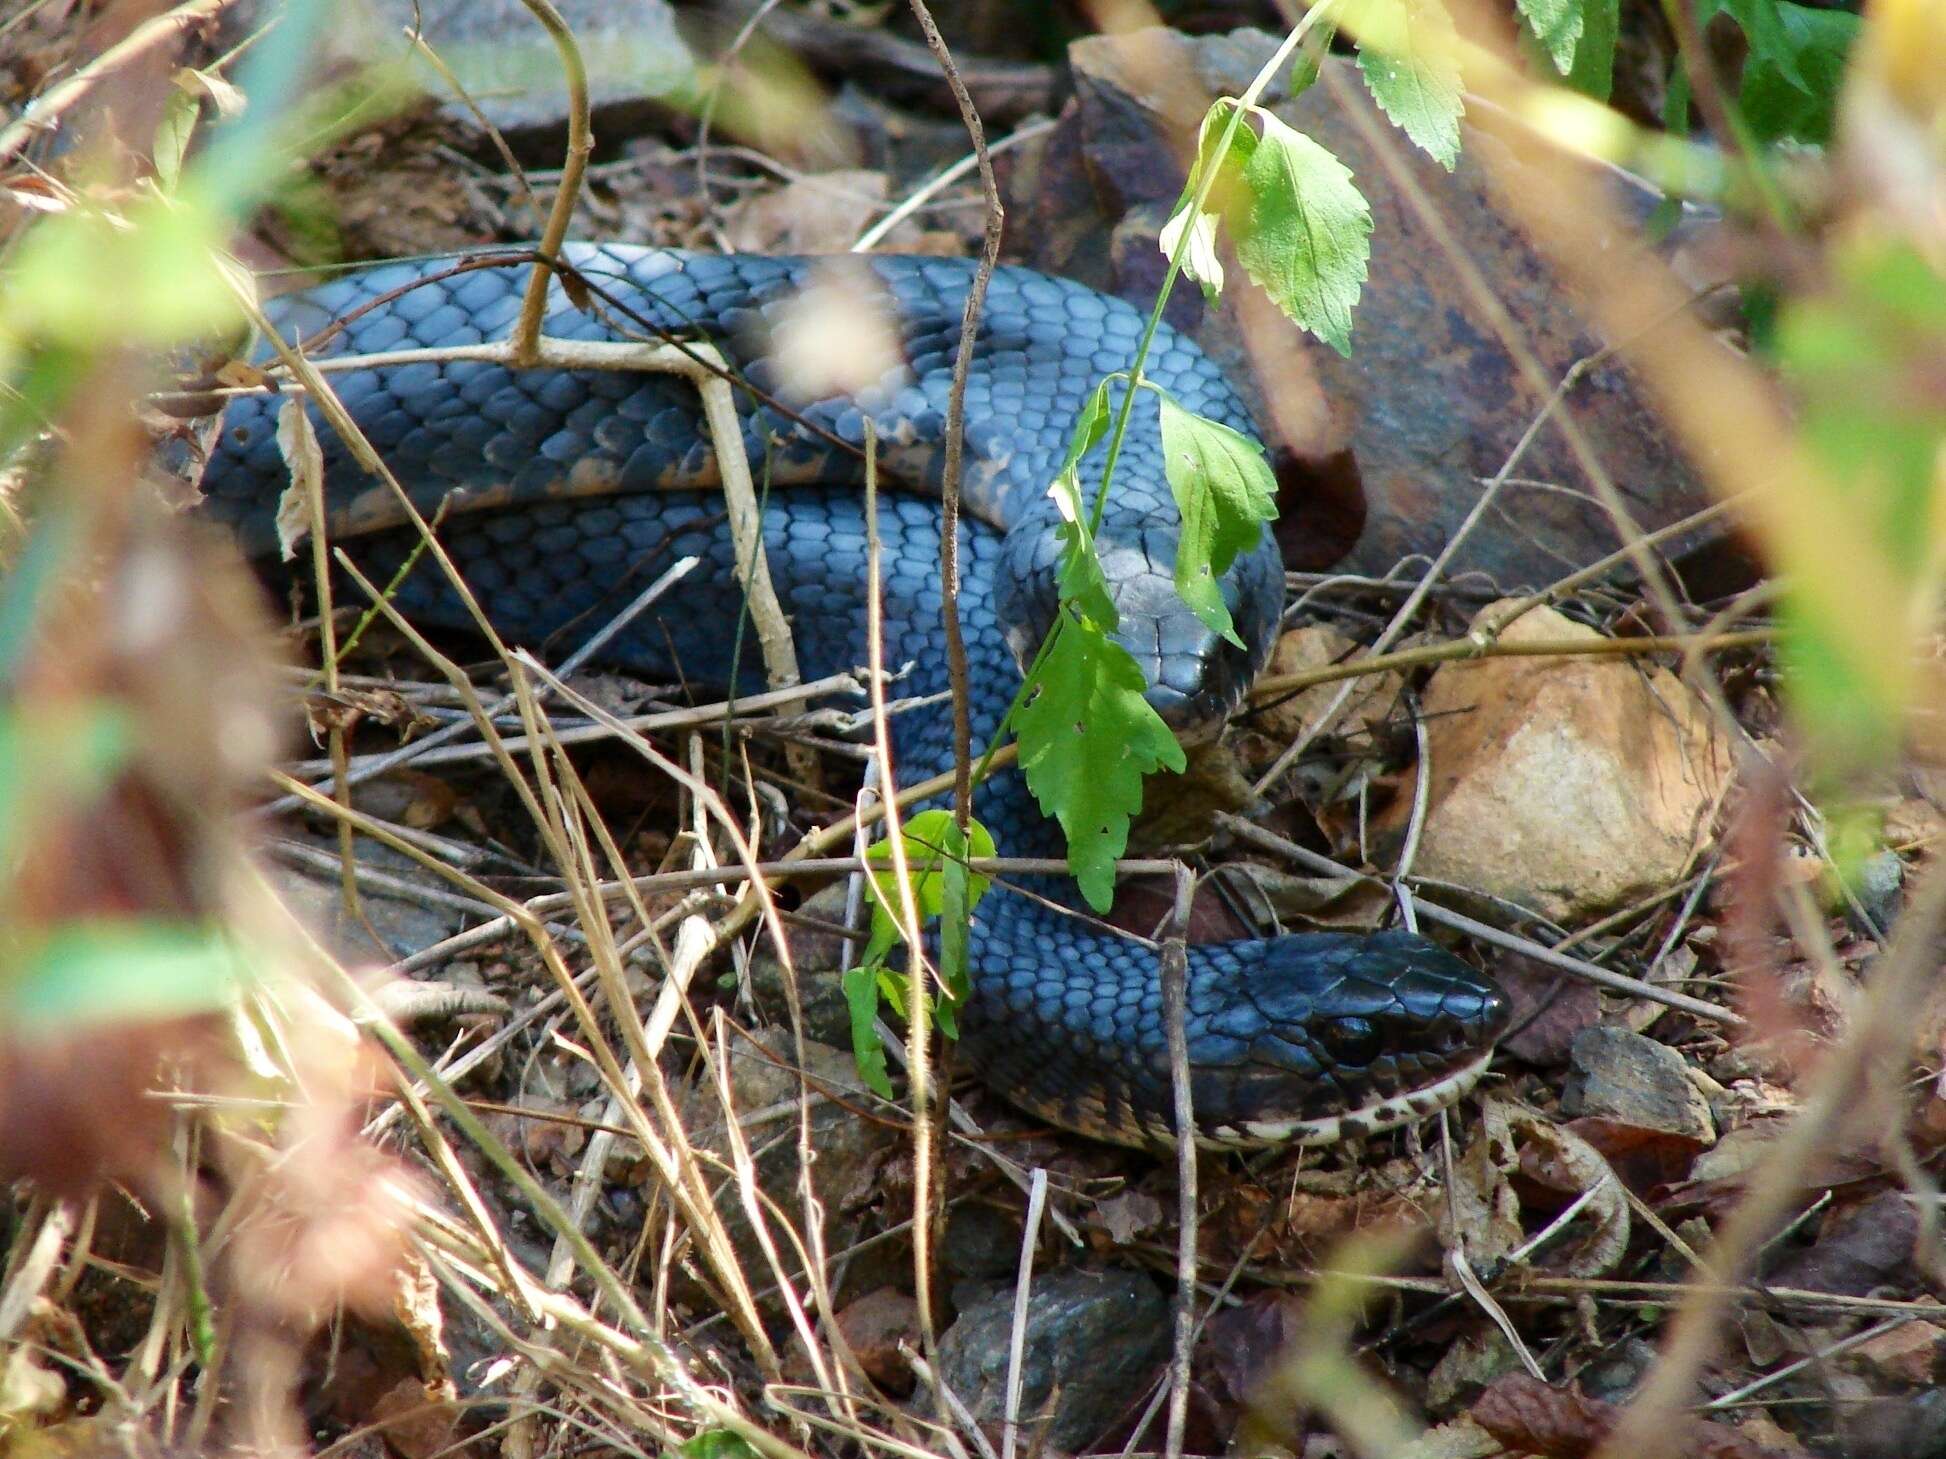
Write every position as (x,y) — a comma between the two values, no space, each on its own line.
(557,489)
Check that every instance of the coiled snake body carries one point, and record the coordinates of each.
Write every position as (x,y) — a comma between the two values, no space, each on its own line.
(574,483)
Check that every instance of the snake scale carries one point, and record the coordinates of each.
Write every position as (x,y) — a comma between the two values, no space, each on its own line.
(574,487)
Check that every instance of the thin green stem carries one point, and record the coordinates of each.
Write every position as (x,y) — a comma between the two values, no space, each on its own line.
(1205,184)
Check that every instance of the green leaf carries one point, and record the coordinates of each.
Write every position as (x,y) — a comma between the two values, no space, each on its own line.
(927,835)
(1851,355)
(1675,100)
(960,890)
(1086,740)
(151,275)
(1308,63)
(1556,25)
(172,135)
(1762,24)
(717,1444)
(113,971)
(1225,492)
(1593,72)
(1408,53)
(1302,229)
(1081,576)
(1793,94)
(57,758)
(1200,259)
(861,997)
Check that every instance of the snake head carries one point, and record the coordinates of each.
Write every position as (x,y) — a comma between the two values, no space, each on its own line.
(1326,1035)
(1195,676)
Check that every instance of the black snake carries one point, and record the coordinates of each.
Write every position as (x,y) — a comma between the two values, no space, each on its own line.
(573,483)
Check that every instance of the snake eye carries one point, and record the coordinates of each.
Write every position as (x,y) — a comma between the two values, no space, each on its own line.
(1352,1042)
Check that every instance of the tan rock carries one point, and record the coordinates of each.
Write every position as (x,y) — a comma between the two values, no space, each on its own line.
(1568,785)
(1906,1355)
(1316,646)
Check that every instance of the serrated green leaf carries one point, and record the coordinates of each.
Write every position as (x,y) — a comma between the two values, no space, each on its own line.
(1302,229)
(1593,71)
(1794,94)
(1556,26)
(115,970)
(1225,492)
(867,1051)
(1408,53)
(1087,738)
(1081,579)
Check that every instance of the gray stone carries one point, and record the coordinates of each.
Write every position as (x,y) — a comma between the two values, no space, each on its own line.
(847,1154)
(1633,1081)
(1878,886)
(406,924)
(980,1243)
(510,67)
(1099,1337)
(817,957)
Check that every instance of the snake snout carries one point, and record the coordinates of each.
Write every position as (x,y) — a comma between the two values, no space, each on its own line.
(1341,1035)
(1196,675)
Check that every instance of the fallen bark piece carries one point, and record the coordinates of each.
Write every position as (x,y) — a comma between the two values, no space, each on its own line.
(1567,785)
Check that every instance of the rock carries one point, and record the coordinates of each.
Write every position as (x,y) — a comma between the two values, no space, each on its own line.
(1099,1337)
(1738,1153)
(508,66)
(1907,1355)
(1878,888)
(1316,646)
(1859,1248)
(874,1326)
(980,1243)
(817,959)
(848,1153)
(1623,1079)
(406,924)
(1568,785)
(1382,453)
(1619,1370)
(1896,1428)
